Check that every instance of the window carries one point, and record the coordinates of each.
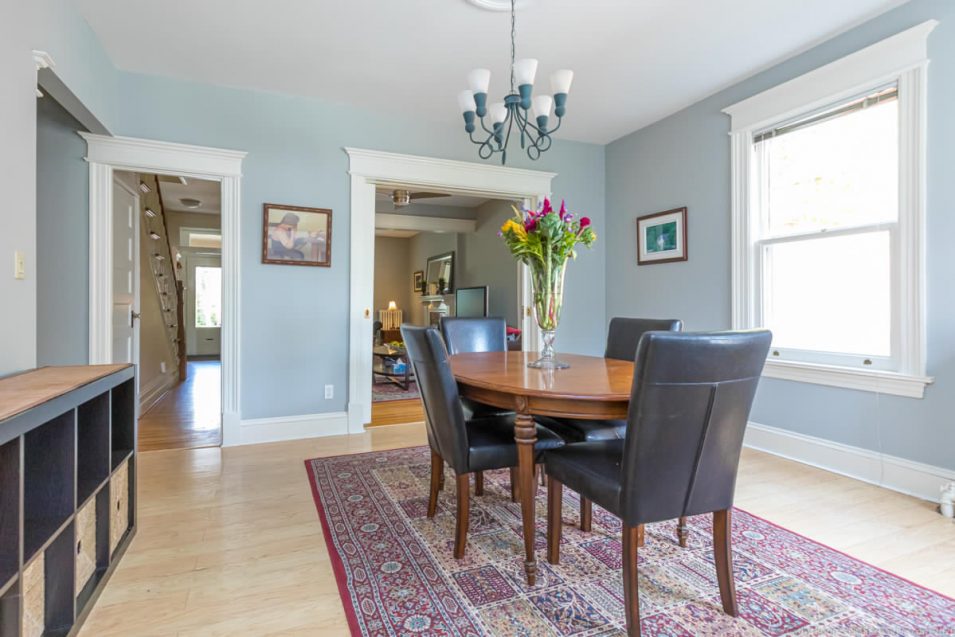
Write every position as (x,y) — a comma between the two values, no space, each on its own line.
(208,296)
(828,216)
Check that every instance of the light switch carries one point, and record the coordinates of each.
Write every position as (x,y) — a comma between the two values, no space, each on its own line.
(329,392)
(19,266)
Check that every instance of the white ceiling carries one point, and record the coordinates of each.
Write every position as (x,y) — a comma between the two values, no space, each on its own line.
(207,192)
(635,61)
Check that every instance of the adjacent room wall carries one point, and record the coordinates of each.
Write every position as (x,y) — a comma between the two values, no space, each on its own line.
(422,246)
(684,160)
(62,246)
(176,220)
(393,280)
(485,260)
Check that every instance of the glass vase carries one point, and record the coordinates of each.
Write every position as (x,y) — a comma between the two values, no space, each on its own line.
(548,283)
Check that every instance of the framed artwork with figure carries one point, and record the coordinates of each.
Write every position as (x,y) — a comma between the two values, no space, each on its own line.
(293,235)
(661,237)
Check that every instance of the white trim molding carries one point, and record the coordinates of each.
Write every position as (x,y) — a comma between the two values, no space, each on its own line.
(891,472)
(369,168)
(150,394)
(901,59)
(258,430)
(106,154)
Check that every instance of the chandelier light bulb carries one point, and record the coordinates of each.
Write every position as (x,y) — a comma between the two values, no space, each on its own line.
(524,71)
(542,105)
(479,80)
(466,101)
(498,112)
(560,81)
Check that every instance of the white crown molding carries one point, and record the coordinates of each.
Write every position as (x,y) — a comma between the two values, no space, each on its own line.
(152,155)
(891,472)
(834,81)
(43,60)
(385,221)
(260,430)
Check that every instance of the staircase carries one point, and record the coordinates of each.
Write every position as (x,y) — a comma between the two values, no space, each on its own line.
(163,266)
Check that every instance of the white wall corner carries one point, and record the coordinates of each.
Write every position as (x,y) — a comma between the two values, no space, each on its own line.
(261,430)
(891,472)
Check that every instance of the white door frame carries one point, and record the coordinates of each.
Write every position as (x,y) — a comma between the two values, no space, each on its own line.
(369,168)
(137,291)
(106,154)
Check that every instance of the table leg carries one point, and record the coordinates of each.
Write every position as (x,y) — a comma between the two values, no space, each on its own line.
(525,435)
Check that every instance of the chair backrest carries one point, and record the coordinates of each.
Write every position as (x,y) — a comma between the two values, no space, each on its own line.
(624,334)
(465,335)
(444,416)
(691,398)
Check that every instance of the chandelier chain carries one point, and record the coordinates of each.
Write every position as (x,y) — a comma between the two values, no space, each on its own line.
(513,37)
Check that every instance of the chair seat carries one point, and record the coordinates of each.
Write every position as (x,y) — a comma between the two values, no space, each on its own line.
(491,443)
(474,409)
(576,430)
(592,469)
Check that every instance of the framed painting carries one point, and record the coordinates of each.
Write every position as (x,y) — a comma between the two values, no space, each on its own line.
(418,277)
(661,237)
(293,235)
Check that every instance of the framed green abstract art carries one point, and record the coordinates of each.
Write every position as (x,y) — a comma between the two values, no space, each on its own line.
(661,237)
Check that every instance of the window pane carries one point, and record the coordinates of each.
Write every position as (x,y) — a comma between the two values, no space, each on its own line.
(208,296)
(830,294)
(841,172)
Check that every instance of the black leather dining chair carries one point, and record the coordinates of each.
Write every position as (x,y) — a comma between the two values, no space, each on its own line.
(690,401)
(467,444)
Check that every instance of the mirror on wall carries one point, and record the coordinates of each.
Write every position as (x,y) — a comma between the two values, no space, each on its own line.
(439,274)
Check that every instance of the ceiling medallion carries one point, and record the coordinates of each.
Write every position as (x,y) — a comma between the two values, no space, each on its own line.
(518,106)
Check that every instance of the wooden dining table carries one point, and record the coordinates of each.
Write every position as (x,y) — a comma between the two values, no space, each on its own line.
(592,388)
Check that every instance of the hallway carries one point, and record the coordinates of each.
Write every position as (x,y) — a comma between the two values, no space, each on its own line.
(188,415)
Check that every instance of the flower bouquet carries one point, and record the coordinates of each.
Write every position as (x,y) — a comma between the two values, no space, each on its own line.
(544,240)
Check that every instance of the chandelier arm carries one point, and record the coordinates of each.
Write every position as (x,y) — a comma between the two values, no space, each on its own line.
(486,130)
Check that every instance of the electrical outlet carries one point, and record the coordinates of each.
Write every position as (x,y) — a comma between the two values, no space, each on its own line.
(329,391)
(19,266)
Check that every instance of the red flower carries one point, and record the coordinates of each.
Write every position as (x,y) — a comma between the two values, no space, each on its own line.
(563,210)
(547,207)
(530,224)
(584,222)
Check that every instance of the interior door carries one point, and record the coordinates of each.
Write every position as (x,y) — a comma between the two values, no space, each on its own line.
(125,273)
(203,312)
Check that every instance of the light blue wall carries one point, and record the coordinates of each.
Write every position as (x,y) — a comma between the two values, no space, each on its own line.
(62,229)
(294,320)
(685,160)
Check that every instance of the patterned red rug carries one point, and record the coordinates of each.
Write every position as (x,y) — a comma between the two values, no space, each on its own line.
(397,575)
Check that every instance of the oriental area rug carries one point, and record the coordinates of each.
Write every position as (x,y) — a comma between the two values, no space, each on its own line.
(397,574)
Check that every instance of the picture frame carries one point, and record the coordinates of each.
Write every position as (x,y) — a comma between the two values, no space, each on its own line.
(296,235)
(662,237)
(418,279)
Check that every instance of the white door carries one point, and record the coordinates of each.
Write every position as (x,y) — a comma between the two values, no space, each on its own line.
(125,273)
(203,312)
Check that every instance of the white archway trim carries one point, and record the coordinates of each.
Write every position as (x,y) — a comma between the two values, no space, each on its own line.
(106,154)
(369,168)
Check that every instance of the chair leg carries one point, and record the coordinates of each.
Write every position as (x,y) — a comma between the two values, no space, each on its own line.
(461,529)
(682,531)
(478,483)
(515,485)
(555,492)
(640,536)
(723,552)
(541,474)
(631,591)
(586,514)
(437,470)
(441,481)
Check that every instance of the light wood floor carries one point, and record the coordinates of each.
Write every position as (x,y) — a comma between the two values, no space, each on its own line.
(230,543)
(188,415)
(396,412)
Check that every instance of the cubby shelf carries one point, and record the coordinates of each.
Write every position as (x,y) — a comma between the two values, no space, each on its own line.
(67,466)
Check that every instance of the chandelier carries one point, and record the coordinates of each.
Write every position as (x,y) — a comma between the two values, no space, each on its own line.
(517,109)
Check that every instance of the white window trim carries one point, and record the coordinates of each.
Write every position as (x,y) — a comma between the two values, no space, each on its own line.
(901,58)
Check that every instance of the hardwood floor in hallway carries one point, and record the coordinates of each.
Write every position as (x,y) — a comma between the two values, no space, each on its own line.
(229,542)
(188,415)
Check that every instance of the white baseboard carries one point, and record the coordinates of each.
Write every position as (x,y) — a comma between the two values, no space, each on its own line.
(258,430)
(150,394)
(898,474)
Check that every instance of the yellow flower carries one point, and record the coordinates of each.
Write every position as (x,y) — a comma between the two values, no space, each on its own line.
(512,226)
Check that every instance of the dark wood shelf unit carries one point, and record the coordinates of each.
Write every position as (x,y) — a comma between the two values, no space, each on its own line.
(9,510)
(67,492)
(92,446)
(49,473)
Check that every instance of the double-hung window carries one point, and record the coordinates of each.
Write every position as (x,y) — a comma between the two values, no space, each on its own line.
(828,220)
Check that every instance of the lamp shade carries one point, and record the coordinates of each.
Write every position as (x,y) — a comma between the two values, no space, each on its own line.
(524,71)
(560,81)
(466,101)
(542,105)
(479,80)
(392,305)
(498,112)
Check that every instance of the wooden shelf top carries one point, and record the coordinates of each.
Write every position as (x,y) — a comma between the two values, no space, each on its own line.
(24,391)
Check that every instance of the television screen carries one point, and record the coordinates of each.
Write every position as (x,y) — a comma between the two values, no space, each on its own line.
(471,302)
